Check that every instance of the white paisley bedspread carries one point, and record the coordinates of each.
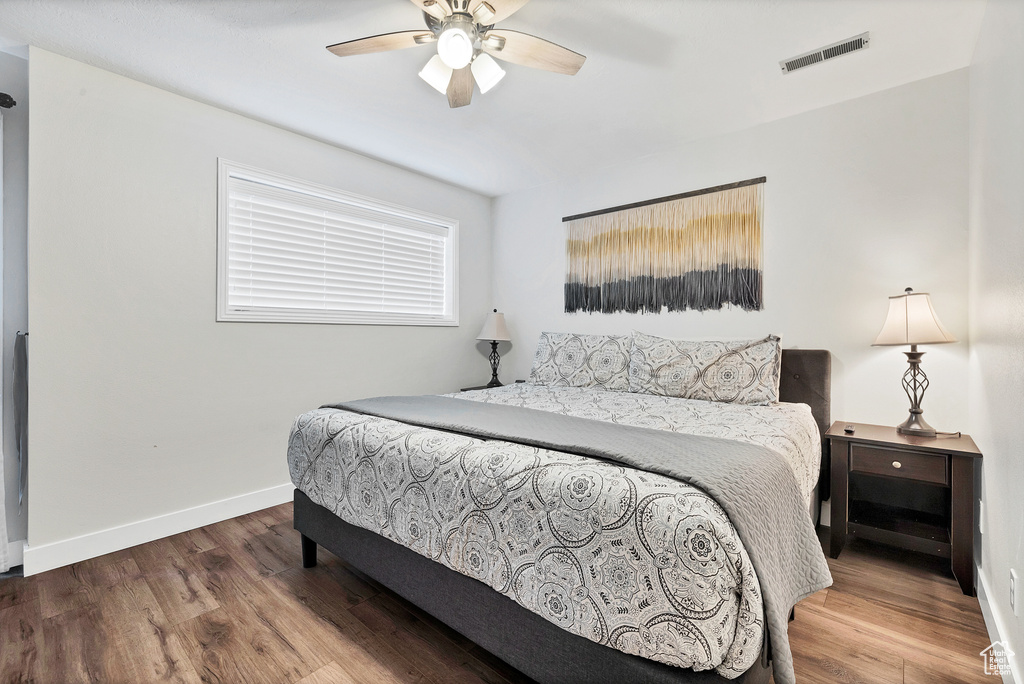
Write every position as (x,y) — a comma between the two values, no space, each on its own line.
(637,561)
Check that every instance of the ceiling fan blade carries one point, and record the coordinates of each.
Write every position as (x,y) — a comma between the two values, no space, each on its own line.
(460,88)
(382,43)
(503,9)
(438,9)
(531,51)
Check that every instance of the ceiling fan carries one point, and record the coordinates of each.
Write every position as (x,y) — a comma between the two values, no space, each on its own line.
(466,42)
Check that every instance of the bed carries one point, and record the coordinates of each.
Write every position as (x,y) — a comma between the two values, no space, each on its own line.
(580,610)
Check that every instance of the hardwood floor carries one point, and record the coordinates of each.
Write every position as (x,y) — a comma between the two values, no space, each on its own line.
(230,603)
(889,616)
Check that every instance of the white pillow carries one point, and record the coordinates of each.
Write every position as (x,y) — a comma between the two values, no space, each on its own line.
(737,371)
(572,360)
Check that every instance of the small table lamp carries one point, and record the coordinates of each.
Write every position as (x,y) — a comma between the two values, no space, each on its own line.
(912,320)
(494,330)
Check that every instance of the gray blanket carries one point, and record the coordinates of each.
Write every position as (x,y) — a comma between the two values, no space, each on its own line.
(753,484)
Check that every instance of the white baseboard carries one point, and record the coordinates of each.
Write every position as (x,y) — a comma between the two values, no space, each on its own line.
(995,625)
(65,552)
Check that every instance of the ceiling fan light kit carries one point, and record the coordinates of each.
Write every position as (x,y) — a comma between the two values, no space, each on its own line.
(455,44)
(486,72)
(466,45)
(437,74)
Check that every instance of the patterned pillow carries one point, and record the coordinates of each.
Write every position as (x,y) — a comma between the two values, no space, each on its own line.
(571,360)
(738,371)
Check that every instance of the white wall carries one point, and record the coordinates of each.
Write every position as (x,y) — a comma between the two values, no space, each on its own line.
(14,82)
(141,404)
(863,199)
(997,303)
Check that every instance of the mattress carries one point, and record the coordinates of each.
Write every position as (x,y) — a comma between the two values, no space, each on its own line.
(633,560)
(788,429)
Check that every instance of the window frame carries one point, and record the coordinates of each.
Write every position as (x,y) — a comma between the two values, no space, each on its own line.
(227,170)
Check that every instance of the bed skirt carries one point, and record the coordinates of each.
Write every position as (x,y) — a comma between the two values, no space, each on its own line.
(523,639)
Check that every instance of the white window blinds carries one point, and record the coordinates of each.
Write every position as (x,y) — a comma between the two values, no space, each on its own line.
(292,251)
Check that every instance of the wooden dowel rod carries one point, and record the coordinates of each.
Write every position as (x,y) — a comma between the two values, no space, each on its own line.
(670,198)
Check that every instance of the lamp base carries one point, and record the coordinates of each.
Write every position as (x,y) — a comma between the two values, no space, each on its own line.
(494,358)
(915,425)
(915,382)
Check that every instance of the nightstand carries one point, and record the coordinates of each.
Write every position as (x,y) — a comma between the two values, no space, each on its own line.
(470,389)
(916,493)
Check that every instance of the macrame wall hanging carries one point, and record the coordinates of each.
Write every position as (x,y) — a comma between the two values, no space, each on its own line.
(697,250)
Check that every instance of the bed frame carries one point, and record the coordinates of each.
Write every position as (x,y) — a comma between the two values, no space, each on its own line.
(525,640)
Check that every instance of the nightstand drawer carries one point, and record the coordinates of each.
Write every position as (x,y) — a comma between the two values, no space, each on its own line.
(895,463)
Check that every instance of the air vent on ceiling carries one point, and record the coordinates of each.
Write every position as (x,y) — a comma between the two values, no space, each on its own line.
(828,52)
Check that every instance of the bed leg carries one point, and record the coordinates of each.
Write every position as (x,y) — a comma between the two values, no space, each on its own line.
(308,552)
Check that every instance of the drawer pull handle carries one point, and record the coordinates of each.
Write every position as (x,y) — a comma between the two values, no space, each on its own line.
(897,464)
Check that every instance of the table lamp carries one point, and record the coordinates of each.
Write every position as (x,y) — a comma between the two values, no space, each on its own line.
(912,320)
(494,331)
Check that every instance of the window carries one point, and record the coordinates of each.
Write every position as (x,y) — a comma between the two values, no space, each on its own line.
(293,251)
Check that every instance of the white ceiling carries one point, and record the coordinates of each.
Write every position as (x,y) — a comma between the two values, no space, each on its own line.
(658,72)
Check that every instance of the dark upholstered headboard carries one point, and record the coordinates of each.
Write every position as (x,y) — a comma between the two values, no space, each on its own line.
(807,379)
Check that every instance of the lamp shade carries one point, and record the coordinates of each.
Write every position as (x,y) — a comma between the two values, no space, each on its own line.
(912,320)
(486,71)
(494,328)
(437,74)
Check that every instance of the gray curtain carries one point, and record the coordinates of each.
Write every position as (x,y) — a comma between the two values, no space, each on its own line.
(20,398)
(21,408)
(5,558)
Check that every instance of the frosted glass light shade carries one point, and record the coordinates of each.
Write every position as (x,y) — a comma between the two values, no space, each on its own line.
(437,74)
(455,47)
(486,72)
(912,320)
(494,328)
